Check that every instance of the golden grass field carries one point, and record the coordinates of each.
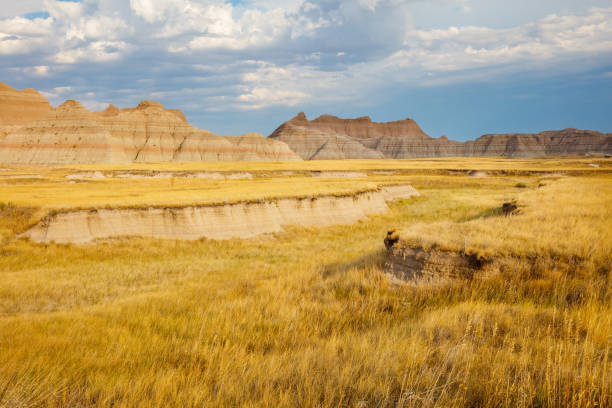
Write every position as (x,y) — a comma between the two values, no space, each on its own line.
(306,317)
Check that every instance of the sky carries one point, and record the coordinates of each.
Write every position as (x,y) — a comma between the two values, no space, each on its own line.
(460,68)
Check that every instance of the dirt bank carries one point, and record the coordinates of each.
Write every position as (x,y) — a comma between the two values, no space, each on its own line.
(239,220)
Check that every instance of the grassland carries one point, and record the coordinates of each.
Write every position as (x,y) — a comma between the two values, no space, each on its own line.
(426,165)
(306,317)
(172,184)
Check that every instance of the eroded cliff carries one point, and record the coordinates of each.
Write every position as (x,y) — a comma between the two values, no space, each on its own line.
(330,137)
(70,134)
(223,221)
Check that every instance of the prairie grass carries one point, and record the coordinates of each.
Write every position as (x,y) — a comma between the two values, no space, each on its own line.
(444,163)
(172,192)
(570,218)
(545,164)
(49,188)
(306,317)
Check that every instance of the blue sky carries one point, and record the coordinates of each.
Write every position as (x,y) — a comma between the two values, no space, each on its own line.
(461,68)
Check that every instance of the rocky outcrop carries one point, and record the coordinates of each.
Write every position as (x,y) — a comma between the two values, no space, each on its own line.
(415,265)
(70,134)
(410,264)
(225,221)
(330,137)
(18,108)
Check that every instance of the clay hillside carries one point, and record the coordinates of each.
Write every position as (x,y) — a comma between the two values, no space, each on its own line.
(18,108)
(35,133)
(330,137)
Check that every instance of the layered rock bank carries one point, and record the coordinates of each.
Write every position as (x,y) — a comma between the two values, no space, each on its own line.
(20,107)
(416,265)
(239,220)
(330,137)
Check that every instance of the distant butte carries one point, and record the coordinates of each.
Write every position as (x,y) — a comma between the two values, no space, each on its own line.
(333,138)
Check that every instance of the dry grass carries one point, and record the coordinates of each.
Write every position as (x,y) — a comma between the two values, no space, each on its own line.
(427,165)
(472,163)
(306,317)
(51,194)
(49,188)
(567,218)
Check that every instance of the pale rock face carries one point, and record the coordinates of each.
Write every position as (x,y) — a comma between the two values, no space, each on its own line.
(239,220)
(330,137)
(205,146)
(18,108)
(70,134)
(255,147)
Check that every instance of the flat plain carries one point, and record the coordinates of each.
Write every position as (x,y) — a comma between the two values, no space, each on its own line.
(307,316)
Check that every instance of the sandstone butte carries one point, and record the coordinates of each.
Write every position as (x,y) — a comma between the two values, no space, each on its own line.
(18,108)
(330,137)
(34,133)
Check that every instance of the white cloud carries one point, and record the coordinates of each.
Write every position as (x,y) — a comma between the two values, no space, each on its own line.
(23,36)
(433,57)
(544,42)
(24,27)
(214,20)
(63,10)
(55,94)
(62,89)
(215,28)
(289,6)
(39,70)
(282,53)
(369,4)
(17,8)
(97,51)
(98,27)
(94,105)
(152,10)
(258,98)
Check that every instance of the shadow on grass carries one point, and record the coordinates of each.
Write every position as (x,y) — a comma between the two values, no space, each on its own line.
(374,259)
(488,213)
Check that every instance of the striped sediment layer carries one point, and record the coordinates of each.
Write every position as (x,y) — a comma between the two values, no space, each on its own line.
(20,107)
(330,137)
(70,134)
(67,134)
(415,265)
(223,221)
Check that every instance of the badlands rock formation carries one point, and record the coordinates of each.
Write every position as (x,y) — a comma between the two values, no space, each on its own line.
(71,134)
(67,134)
(330,137)
(549,143)
(19,107)
(253,147)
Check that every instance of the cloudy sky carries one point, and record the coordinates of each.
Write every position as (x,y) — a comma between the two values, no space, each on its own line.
(459,67)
